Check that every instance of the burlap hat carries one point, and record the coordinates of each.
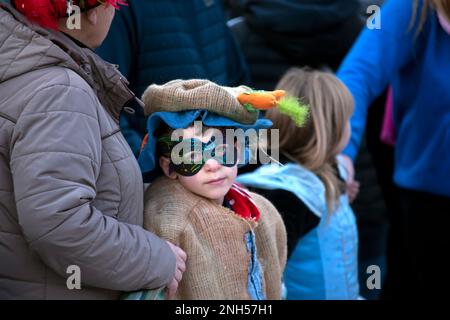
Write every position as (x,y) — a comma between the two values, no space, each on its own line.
(183,95)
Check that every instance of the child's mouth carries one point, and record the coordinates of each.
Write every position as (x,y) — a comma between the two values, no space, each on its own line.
(216,181)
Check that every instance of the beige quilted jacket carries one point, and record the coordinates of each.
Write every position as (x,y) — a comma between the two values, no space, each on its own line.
(71,192)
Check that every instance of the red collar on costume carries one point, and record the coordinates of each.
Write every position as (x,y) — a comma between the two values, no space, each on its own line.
(241,203)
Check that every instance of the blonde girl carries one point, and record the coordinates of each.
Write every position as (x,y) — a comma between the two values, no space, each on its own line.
(308,189)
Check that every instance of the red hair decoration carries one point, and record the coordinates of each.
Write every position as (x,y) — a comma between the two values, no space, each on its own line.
(46,13)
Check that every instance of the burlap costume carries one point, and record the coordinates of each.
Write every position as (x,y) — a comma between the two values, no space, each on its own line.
(212,235)
(213,238)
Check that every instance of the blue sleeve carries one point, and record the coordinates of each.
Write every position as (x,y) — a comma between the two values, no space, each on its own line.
(374,60)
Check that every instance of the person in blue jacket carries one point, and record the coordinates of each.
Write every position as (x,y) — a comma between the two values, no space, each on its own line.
(411,51)
(156,41)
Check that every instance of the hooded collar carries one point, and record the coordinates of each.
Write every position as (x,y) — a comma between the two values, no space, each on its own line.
(39,48)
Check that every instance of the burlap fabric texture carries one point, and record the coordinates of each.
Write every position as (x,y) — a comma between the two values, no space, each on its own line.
(182,95)
(213,238)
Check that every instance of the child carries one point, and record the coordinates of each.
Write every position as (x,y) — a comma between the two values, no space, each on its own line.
(309,190)
(235,240)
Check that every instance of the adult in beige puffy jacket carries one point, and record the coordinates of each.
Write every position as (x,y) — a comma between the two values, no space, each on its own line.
(71,192)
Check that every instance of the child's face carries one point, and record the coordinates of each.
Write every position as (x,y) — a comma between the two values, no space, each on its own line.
(213,181)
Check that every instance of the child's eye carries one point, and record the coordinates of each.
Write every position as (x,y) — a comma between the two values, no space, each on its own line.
(220,150)
(192,157)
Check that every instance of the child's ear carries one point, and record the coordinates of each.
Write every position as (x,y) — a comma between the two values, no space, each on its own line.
(164,163)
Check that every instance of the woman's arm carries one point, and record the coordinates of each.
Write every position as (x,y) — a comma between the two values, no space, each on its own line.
(374,60)
(55,162)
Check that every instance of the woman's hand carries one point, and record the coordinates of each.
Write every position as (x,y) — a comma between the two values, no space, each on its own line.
(180,268)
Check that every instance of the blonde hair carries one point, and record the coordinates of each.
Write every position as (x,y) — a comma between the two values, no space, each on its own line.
(442,6)
(316,145)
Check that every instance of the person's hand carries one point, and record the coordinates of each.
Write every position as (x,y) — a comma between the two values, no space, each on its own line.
(352,184)
(352,190)
(180,268)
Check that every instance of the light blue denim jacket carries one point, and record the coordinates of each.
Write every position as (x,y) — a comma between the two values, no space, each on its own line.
(323,265)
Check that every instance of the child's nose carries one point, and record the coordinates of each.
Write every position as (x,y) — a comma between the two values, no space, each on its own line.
(212,165)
